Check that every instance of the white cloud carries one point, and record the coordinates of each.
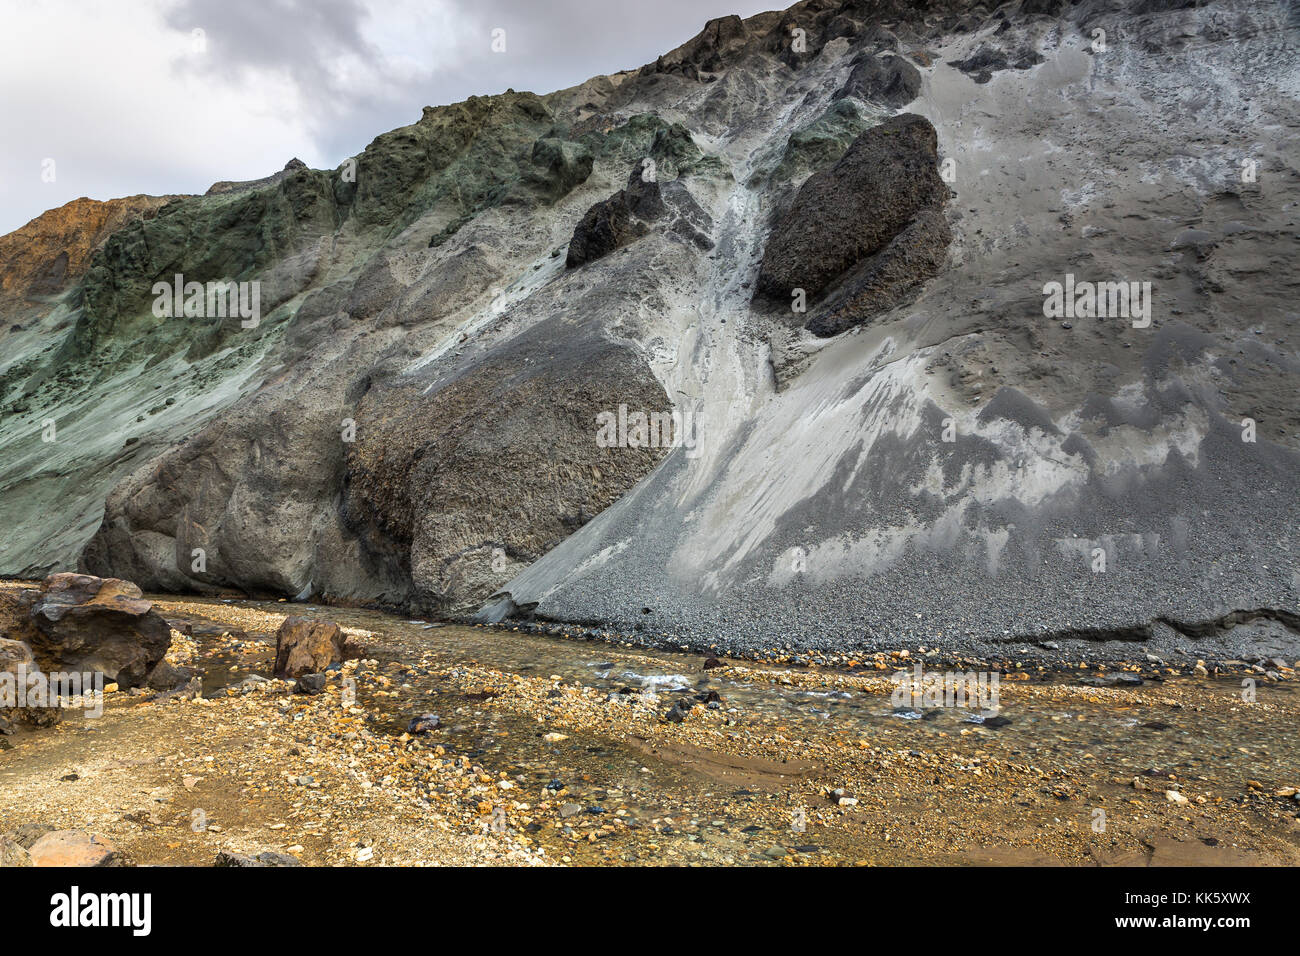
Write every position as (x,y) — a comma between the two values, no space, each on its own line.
(118,96)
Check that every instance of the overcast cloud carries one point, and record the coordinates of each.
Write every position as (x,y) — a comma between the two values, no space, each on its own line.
(169,96)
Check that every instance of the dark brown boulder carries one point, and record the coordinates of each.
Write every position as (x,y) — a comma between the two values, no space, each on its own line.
(85,623)
(614,222)
(847,214)
(304,646)
(886,279)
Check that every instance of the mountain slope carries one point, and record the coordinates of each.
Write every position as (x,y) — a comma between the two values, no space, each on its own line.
(927,451)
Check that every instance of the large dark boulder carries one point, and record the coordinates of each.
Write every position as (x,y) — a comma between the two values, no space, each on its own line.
(475,477)
(106,625)
(987,60)
(614,222)
(847,214)
(890,276)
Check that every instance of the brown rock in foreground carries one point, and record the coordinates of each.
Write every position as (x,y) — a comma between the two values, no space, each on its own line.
(85,623)
(12,853)
(16,659)
(304,646)
(74,848)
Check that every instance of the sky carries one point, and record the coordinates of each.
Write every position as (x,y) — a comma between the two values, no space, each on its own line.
(169,96)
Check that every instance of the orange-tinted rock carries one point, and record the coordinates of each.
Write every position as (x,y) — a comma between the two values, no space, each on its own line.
(53,250)
(304,646)
(74,848)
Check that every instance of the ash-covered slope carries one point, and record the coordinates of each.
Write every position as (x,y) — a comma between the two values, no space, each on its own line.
(822,237)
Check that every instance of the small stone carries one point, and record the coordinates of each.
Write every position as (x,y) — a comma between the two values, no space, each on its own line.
(310,684)
(1173,796)
(12,854)
(423,724)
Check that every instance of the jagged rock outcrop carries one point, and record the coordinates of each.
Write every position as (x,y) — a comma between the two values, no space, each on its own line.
(884,78)
(614,222)
(225,186)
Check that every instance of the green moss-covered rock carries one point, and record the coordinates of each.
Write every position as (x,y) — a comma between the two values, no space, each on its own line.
(824,140)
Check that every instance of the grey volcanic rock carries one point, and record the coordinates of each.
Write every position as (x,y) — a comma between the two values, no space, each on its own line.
(852,211)
(886,278)
(707,52)
(470,478)
(616,221)
(982,64)
(886,79)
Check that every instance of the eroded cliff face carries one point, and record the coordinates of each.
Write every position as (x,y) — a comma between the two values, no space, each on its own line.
(53,251)
(825,239)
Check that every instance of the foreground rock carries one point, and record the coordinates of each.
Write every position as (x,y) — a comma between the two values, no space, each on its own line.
(75,848)
(18,672)
(304,646)
(105,625)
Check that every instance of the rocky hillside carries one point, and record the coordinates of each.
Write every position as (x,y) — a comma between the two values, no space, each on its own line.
(52,252)
(866,320)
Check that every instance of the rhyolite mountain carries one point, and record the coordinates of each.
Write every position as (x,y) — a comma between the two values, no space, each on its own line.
(822,236)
